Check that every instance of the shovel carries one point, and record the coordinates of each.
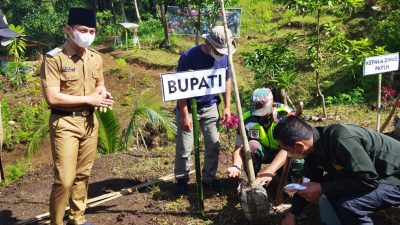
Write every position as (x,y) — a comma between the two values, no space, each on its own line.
(253,198)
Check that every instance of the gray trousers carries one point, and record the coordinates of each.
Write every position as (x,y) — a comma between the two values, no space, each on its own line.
(208,122)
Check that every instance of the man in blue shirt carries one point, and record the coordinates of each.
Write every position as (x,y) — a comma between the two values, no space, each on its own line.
(212,54)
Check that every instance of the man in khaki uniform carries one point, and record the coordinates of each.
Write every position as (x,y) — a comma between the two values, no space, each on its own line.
(73,85)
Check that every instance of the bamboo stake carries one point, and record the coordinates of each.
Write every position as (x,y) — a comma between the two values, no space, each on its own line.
(247,153)
(105,198)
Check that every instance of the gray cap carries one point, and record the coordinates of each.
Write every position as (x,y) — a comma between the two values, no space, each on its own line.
(216,38)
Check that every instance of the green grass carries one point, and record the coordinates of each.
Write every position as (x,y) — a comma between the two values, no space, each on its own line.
(154,57)
(256,16)
(348,114)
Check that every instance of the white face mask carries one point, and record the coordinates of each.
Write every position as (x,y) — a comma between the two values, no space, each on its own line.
(264,110)
(215,56)
(83,40)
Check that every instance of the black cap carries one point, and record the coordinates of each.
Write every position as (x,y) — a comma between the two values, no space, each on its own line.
(4,30)
(81,16)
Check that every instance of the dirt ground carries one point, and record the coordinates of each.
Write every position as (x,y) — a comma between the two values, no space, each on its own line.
(156,204)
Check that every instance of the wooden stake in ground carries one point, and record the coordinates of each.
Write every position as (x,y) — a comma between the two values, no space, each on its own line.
(247,153)
(2,175)
(279,190)
(378,108)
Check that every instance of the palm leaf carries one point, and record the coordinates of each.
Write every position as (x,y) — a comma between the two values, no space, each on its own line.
(163,120)
(108,132)
(133,125)
(37,140)
(147,110)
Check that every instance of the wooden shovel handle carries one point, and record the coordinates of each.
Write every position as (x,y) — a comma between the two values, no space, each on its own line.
(279,190)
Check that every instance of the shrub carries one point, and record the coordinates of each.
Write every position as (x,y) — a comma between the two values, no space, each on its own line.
(354,97)
(14,171)
(151,32)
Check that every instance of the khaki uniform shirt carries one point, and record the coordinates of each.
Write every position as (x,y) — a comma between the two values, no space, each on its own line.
(63,68)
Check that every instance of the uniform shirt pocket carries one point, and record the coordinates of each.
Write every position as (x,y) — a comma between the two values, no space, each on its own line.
(69,80)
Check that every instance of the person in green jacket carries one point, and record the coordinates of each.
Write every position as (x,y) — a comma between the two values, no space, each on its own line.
(354,171)
(259,123)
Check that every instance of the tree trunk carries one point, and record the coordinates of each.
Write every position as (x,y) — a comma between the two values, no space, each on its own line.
(165,42)
(123,10)
(137,12)
(198,24)
(284,96)
(2,175)
(317,77)
(113,10)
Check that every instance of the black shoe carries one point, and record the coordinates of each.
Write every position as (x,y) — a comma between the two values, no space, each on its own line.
(214,184)
(182,186)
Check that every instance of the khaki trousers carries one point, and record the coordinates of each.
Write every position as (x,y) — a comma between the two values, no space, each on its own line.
(209,124)
(74,147)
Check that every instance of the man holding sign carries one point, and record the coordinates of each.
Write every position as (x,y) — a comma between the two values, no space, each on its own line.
(212,54)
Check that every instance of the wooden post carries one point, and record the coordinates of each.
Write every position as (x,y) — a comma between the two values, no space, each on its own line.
(247,153)
(2,175)
(279,190)
(378,108)
(126,39)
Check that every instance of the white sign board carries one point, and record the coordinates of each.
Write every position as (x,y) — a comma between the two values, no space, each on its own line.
(193,83)
(381,64)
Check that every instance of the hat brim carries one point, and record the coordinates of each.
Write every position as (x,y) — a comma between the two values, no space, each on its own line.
(223,51)
(5,32)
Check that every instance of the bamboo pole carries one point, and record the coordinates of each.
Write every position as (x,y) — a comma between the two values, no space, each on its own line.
(200,194)
(247,153)
(104,198)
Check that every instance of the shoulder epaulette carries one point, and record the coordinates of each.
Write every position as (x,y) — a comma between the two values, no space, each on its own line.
(54,52)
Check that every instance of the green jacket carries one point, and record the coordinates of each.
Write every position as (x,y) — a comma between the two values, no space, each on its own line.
(355,160)
(261,128)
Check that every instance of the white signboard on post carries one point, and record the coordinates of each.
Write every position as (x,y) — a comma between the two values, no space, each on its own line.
(381,64)
(193,83)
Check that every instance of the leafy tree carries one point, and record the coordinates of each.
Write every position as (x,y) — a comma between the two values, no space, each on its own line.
(17,46)
(16,49)
(210,7)
(315,56)
(387,31)
(274,65)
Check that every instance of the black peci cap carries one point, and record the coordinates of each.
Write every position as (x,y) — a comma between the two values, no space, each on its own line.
(81,16)
(4,30)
